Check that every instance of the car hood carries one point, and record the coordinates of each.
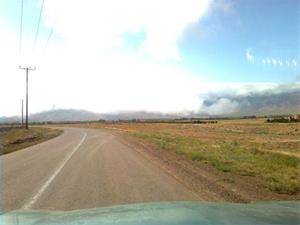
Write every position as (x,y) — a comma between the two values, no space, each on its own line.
(179,213)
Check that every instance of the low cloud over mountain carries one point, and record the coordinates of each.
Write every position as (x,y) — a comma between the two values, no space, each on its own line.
(240,101)
(281,99)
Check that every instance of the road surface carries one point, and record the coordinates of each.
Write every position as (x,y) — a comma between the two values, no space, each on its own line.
(83,168)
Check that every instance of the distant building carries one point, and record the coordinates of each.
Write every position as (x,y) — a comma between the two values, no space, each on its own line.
(284,119)
(294,118)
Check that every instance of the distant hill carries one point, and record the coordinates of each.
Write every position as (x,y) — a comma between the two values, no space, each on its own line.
(12,119)
(286,101)
(57,115)
(129,115)
(61,115)
(65,115)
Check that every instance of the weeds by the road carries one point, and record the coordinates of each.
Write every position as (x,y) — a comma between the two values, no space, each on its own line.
(15,138)
(278,172)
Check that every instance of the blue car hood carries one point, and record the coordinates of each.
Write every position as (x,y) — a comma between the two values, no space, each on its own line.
(179,213)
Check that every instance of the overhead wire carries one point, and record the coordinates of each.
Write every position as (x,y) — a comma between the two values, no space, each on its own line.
(37,29)
(48,39)
(38,26)
(21,29)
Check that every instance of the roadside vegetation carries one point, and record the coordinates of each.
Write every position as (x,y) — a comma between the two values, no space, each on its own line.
(269,152)
(15,138)
(279,172)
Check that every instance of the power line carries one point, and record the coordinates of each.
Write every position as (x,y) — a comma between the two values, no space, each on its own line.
(38,26)
(21,28)
(48,39)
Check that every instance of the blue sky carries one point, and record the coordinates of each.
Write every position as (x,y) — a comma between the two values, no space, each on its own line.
(179,48)
(216,45)
(268,28)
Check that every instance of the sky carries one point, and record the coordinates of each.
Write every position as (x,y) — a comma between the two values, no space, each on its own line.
(152,55)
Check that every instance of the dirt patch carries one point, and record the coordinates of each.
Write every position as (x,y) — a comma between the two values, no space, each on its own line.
(22,140)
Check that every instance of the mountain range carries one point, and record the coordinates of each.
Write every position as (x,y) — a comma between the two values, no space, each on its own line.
(285,100)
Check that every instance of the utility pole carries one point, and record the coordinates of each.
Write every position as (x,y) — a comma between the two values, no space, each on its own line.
(27,69)
(22,113)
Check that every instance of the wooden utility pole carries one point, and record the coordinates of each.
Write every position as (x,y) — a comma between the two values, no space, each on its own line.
(22,113)
(27,69)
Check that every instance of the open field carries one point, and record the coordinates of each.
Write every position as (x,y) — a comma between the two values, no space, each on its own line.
(15,138)
(268,153)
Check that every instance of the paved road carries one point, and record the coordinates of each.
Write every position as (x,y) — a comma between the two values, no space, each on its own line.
(83,168)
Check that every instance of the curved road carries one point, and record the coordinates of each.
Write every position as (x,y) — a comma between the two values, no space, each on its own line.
(83,168)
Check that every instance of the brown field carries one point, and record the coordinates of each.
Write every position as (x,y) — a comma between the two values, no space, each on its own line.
(268,153)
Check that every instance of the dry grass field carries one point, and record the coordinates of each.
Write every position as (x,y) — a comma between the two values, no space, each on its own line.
(15,138)
(269,152)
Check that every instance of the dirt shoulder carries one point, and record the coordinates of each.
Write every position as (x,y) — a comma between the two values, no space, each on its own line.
(203,179)
(15,138)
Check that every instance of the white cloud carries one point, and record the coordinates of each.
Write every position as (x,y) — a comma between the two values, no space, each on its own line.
(222,106)
(104,83)
(249,55)
(294,62)
(101,24)
(274,61)
(86,68)
(108,82)
(279,62)
(232,100)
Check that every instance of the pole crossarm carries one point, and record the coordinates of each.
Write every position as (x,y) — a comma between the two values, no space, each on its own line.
(27,67)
